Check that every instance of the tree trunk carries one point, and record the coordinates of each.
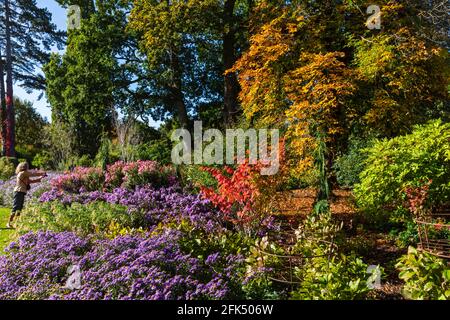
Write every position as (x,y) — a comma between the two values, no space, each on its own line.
(231,86)
(3,105)
(10,114)
(177,93)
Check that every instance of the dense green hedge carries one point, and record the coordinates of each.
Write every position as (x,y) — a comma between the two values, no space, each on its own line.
(406,161)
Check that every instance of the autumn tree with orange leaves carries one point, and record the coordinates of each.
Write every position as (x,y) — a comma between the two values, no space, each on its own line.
(316,71)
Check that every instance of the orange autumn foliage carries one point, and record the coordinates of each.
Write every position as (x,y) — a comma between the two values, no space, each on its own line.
(317,70)
(304,94)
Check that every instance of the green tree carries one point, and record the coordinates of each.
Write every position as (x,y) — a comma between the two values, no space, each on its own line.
(58,151)
(101,73)
(82,83)
(80,88)
(403,70)
(29,129)
(189,45)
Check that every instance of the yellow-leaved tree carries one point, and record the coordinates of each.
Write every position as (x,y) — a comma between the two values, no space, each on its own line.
(316,71)
(303,92)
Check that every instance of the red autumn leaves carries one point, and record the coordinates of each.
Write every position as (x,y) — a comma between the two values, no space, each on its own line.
(236,193)
(417,198)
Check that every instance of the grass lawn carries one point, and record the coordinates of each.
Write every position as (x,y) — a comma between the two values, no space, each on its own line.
(5,234)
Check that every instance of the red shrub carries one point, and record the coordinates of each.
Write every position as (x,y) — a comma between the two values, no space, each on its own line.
(417,198)
(237,192)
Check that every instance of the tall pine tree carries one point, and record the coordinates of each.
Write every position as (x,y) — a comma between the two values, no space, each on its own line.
(27,38)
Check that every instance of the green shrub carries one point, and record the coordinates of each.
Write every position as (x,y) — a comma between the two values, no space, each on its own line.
(106,153)
(359,245)
(83,219)
(406,161)
(341,278)
(23,154)
(406,236)
(329,275)
(426,277)
(193,177)
(7,167)
(83,161)
(349,166)
(47,161)
(43,160)
(382,221)
(157,150)
(322,274)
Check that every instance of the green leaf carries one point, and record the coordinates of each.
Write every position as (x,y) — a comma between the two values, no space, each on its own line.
(429,286)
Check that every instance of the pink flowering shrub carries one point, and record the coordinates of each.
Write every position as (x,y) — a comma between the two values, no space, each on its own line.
(115,174)
(139,173)
(118,175)
(85,179)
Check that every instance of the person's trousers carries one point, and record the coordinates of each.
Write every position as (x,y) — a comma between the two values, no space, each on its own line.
(19,200)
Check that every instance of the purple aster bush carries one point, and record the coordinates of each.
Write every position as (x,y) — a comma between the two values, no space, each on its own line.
(67,198)
(166,244)
(152,267)
(35,265)
(6,192)
(158,206)
(168,204)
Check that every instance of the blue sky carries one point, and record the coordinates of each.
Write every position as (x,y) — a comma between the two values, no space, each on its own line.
(59,18)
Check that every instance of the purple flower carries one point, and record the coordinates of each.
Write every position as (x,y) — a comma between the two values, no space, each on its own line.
(157,205)
(128,267)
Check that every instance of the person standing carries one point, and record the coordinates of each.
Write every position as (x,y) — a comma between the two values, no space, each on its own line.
(23,184)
